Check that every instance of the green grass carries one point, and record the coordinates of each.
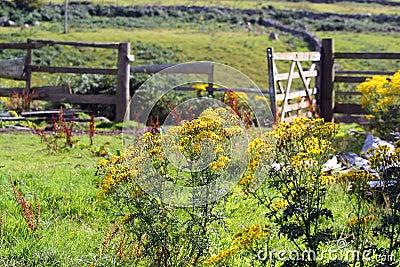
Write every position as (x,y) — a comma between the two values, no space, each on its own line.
(342,7)
(238,49)
(72,224)
(363,42)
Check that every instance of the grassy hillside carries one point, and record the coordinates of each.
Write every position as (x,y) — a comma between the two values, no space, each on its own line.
(238,49)
(342,7)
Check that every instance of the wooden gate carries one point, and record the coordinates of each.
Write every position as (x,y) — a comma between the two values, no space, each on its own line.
(293,93)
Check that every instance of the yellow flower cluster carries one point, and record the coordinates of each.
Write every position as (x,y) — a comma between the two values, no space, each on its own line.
(152,143)
(380,92)
(128,217)
(305,141)
(257,149)
(364,221)
(220,164)
(190,138)
(241,240)
(317,146)
(381,98)
(356,176)
(260,98)
(118,169)
(313,131)
(202,87)
(328,179)
(221,256)
(302,161)
(383,156)
(215,125)
(229,132)
(279,205)
(199,125)
(108,182)
(246,179)
(246,238)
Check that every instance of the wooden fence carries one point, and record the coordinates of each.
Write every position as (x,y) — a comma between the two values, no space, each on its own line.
(23,69)
(325,75)
(330,76)
(316,80)
(63,93)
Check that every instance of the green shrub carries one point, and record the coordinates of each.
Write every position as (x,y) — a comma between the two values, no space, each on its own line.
(28,5)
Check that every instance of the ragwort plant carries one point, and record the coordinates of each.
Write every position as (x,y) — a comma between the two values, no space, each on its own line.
(385,210)
(295,187)
(387,164)
(374,227)
(381,98)
(161,234)
(357,230)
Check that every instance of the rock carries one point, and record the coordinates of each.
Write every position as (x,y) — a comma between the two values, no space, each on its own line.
(354,131)
(396,135)
(353,161)
(10,23)
(332,165)
(25,26)
(3,21)
(380,183)
(373,142)
(102,119)
(273,36)
(36,23)
(248,27)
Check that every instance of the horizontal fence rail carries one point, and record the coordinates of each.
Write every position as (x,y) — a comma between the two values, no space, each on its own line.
(367,55)
(76,44)
(72,70)
(21,46)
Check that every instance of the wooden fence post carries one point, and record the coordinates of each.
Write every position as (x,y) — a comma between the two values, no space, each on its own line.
(210,85)
(327,93)
(123,74)
(271,81)
(28,69)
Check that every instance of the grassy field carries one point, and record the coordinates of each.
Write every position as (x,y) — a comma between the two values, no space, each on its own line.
(342,7)
(238,49)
